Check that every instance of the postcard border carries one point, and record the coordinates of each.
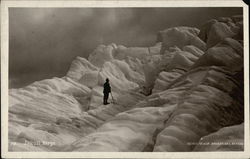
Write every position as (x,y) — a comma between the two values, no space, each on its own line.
(129,3)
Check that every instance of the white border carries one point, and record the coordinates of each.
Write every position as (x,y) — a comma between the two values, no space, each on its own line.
(129,3)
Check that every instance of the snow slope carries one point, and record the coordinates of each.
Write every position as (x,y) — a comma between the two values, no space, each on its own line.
(185,90)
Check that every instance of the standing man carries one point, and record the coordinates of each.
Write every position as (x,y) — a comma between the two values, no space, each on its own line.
(106,91)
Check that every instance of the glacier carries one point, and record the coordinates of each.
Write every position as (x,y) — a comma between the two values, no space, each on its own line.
(185,90)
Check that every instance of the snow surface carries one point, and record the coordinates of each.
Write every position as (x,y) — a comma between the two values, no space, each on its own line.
(185,89)
(226,139)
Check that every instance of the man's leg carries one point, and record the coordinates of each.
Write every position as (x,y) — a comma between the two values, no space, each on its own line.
(107,98)
(104,98)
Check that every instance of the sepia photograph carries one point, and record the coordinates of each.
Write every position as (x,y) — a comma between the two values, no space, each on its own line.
(124,78)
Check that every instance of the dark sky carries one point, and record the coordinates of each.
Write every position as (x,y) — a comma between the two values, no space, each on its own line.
(44,41)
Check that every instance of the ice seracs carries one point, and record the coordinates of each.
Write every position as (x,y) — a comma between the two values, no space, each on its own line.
(181,36)
(185,89)
(213,31)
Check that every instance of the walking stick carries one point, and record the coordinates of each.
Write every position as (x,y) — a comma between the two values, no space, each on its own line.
(112,97)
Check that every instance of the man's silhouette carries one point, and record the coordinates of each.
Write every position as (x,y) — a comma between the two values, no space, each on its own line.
(106,91)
